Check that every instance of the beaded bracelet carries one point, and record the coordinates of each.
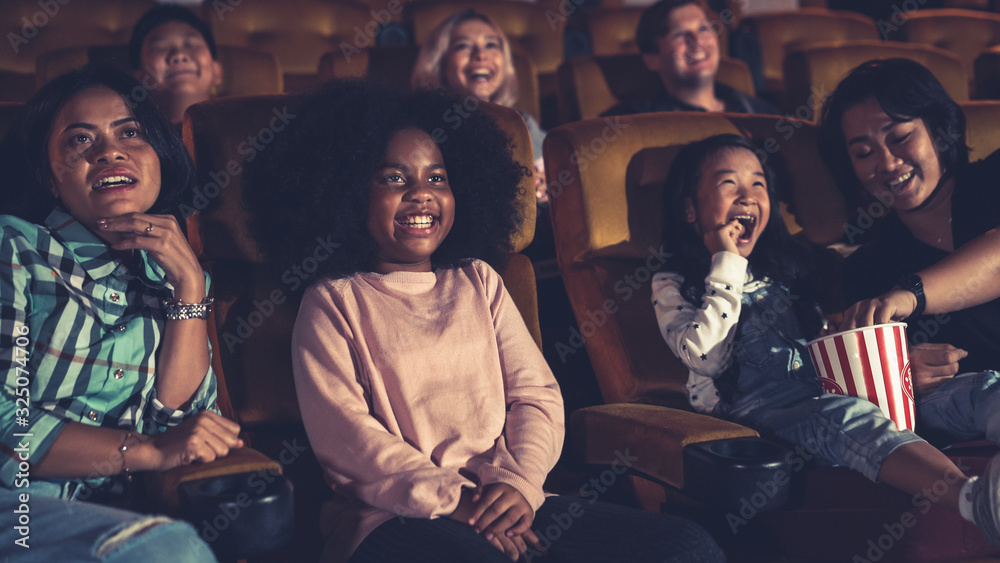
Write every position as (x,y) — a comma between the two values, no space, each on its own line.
(121,450)
(178,311)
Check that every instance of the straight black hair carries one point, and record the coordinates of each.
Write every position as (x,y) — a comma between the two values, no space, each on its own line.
(777,255)
(906,90)
(24,152)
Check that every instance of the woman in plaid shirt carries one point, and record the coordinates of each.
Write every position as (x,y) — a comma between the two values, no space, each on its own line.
(103,335)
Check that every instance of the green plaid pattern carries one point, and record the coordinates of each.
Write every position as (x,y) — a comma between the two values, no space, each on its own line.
(93,333)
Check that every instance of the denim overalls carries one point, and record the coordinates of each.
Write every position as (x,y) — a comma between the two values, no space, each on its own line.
(771,365)
(772,387)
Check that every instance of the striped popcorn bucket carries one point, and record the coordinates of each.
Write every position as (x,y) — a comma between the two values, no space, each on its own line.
(871,363)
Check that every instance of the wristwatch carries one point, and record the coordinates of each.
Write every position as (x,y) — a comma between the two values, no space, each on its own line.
(912,283)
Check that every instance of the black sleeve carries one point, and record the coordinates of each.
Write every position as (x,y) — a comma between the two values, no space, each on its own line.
(760,106)
(866,274)
(976,202)
(853,283)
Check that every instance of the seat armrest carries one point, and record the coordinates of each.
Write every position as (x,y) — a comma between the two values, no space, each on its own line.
(649,439)
(163,486)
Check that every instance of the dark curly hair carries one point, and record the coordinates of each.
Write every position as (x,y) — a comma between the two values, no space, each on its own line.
(24,152)
(313,183)
(777,254)
(906,90)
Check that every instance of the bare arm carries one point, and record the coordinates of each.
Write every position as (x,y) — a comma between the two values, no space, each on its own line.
(182,360)
(964,279)
(83,451)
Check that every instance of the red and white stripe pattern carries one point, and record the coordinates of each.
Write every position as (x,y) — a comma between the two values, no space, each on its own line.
(871,363)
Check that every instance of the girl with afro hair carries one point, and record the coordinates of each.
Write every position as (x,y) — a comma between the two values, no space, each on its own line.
(427,402)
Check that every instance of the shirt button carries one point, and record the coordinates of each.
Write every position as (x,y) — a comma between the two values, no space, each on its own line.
(759,298)
(92,415)
(119,373)
(115,297)
(120,328)
(795,365)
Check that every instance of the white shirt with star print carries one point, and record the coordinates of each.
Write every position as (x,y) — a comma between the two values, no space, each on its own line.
(702,337)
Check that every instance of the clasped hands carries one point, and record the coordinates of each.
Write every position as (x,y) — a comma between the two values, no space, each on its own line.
(502,515)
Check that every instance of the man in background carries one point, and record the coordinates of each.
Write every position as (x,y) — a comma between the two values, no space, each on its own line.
(679,44)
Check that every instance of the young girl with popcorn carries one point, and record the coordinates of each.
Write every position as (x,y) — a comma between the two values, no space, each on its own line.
(735,308)
(427,402)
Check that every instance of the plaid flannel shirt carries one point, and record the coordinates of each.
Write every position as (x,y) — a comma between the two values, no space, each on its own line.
(93,330)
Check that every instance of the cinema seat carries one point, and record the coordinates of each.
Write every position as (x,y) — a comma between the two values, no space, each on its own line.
(812,72)
(606,206)
(966,33)
(987,74)
(781,31)
(589,86)
(255,309)
(245,71)
(605,178)
(612,30)
(982,127)
(391,9)
(394,65)
(296,32)
(32,27)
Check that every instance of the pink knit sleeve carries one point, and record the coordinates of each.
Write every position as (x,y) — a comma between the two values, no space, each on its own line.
(533,433)
(358,455)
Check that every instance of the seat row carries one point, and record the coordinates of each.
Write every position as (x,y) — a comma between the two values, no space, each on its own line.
(270,47)
(606,178)
(966,37)
(296,33)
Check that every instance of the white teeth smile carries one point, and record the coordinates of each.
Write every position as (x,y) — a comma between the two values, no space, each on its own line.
(480,75)
(901,180)
(417,221)
(112,181)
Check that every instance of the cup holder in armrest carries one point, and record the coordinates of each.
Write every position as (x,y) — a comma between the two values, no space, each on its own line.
(241,514)
(734,472)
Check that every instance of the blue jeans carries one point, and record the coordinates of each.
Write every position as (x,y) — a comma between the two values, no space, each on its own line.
(771,366)
(833,430)
(775,390)
(964,407)
(49,528)
(838,430)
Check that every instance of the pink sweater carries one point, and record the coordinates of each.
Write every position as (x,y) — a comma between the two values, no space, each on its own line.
(413,385)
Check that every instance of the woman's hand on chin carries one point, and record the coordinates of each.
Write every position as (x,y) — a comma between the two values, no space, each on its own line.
(161,237)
